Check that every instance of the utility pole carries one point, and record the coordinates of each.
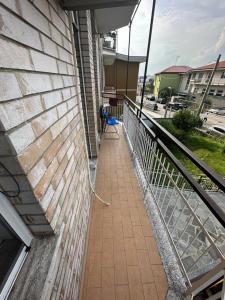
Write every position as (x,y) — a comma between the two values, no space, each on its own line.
(208,86)
(147,54)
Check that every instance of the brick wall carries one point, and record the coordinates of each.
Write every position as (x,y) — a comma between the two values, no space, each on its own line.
(89,98)
(42,140)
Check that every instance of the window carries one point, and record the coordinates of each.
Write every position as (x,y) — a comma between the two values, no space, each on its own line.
(193,75)
(219,92)
(211,92)
(15,239)
(188,81)
(200,75)
(219,129)
(203,91)
(223,75)
(195,90)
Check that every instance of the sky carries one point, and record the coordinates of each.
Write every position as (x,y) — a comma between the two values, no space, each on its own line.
(185,32)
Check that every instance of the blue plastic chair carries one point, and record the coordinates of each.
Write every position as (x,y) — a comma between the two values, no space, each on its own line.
(111,122)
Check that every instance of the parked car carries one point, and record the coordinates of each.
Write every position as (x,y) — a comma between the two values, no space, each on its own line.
(162,100)
(152,98)
(174,106)
(152,106)
(218,130)
(217,110)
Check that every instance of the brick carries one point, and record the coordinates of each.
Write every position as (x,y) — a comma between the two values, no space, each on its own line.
(47,197)
(49,46)
(19,30)
(61,109)
(14,56)
(64,55)
(31,83)
(43,6)
(56,20)
(33,16)
(7,81)
(62,66)
(57,81)
(21,110)
(43,63)
(43,184)
(58,127)
(33,152)
(56,35)
(51,99)
(44,121)
(22,137)
(68,81)
(53,149)
(36,173)
(66,93)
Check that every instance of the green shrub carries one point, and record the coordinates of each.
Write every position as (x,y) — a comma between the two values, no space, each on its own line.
(223,150)
(186,121)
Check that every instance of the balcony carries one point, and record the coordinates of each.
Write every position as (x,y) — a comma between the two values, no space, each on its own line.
(145,185)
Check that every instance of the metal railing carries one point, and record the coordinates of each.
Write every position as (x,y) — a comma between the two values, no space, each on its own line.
(113,110)
(193,217)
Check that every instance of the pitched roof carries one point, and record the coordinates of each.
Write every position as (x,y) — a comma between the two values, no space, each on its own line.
(221,65)
(176,69)
(138,59)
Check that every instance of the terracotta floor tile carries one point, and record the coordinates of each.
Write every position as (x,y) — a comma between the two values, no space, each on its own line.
(108,276)
(121,274)
(108,293)
(150,291)
(122,260)
(122,292)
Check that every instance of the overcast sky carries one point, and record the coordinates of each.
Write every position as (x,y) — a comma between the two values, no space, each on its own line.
(189,31)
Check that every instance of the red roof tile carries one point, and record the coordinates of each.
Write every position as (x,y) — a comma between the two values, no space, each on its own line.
(176,69)
(211,66)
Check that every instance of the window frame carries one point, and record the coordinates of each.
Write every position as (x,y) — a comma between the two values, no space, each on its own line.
(219,93)
(212,93)
(11,217)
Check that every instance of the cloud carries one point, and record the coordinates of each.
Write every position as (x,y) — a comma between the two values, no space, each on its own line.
(193,30)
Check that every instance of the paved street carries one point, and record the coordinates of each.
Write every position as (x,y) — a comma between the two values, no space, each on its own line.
(213,119)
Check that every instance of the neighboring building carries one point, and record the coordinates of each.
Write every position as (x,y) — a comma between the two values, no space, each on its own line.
(51,80)
(195,80)
(116,73)
(170,77)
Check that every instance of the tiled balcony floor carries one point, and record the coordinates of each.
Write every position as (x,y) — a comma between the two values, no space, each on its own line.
(122,258)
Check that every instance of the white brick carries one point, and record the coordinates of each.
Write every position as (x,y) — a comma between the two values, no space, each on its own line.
(70,69)
(44,121)
(43,63)
(16,112)
(62,67)
(14,56)
(9,86)
(68,80)
(56,20)
(42,5)
(64,55)
(66,93)
(67,44)
(11,4)
(57,81)
(34,17)
(47,197)
(22,137)
(58,127)
(62,109)
(36,173)
(49,46)
(52,99)
(71,103)
(16,29)
(33,83)
(56,35)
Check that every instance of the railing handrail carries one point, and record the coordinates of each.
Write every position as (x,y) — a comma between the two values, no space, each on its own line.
(206,198)
(215,177)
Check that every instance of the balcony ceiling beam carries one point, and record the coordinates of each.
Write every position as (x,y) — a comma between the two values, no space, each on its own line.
(95,4)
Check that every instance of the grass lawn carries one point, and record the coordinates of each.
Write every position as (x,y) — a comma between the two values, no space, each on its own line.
(206,148)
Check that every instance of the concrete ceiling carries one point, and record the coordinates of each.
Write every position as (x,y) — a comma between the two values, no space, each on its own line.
(94,4)
(108,19)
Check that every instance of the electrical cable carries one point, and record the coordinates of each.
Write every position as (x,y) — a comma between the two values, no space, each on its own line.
(14,179)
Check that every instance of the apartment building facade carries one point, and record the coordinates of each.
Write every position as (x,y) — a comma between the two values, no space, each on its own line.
(51,79)
(195,81)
